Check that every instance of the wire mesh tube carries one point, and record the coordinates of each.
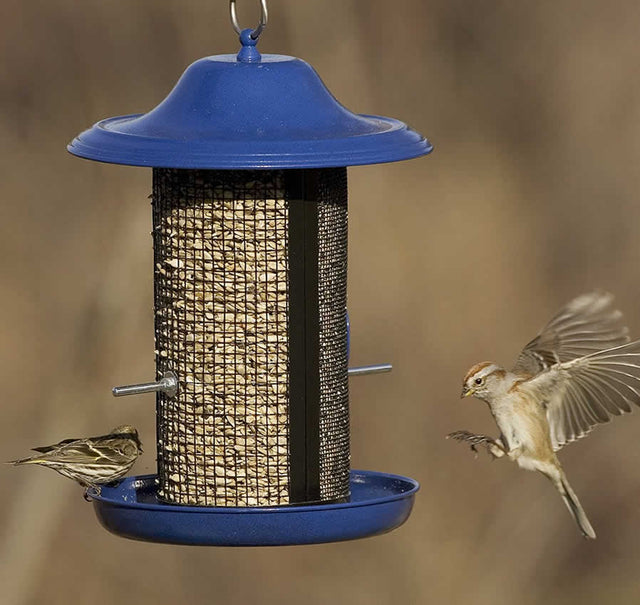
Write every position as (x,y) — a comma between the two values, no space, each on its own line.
(250,297)
(333,363)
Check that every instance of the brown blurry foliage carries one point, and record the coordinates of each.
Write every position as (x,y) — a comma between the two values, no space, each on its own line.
(530,197)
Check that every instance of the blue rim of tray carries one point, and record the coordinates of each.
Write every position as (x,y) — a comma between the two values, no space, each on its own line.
(379,503)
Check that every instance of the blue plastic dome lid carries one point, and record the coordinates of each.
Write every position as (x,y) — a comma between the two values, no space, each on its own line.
(249,111)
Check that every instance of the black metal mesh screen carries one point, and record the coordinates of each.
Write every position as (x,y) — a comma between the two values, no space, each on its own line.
(332,299)
(222,310)
(220,241)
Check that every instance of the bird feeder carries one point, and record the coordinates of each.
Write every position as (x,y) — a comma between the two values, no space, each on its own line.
(249,155)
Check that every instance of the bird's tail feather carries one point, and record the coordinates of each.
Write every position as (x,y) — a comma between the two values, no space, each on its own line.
(24,461)
(575,508)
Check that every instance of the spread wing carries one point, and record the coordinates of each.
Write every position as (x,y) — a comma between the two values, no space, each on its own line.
(587,391)
(586,325)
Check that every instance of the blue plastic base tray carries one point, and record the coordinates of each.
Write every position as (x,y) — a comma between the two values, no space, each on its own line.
(379,503)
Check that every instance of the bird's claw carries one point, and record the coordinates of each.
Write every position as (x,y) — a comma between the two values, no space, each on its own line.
(87,497)
(474,441)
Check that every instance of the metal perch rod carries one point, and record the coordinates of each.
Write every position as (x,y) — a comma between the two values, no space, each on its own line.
(169,382)
(373,369)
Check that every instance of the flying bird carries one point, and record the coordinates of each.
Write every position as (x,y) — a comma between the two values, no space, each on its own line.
(92,461)
(580,371)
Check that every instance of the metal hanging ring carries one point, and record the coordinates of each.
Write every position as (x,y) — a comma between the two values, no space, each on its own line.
(264,15)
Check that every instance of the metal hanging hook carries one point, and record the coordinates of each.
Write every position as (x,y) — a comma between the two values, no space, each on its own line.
(264,16)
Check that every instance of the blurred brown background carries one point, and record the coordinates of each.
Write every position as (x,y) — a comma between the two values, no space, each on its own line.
(530,197)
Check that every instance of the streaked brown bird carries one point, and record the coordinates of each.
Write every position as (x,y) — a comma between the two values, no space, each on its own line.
(92,461)
(581,370)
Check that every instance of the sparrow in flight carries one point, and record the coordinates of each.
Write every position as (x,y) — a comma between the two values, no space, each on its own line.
(580,371)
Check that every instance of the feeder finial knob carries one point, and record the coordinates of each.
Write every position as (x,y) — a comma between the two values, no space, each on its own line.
(249,37)
(248,53)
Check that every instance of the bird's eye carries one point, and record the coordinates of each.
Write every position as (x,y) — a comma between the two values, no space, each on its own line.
(478,380)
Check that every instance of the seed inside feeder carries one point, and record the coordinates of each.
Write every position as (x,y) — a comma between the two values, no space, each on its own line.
(250,302)
(221,306)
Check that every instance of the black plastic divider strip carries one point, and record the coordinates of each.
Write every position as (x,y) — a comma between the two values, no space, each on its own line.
(304,336)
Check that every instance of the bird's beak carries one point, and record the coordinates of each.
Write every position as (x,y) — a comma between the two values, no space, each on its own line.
(466,391)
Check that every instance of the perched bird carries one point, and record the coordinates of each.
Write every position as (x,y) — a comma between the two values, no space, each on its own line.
(92,461)
(578,372)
